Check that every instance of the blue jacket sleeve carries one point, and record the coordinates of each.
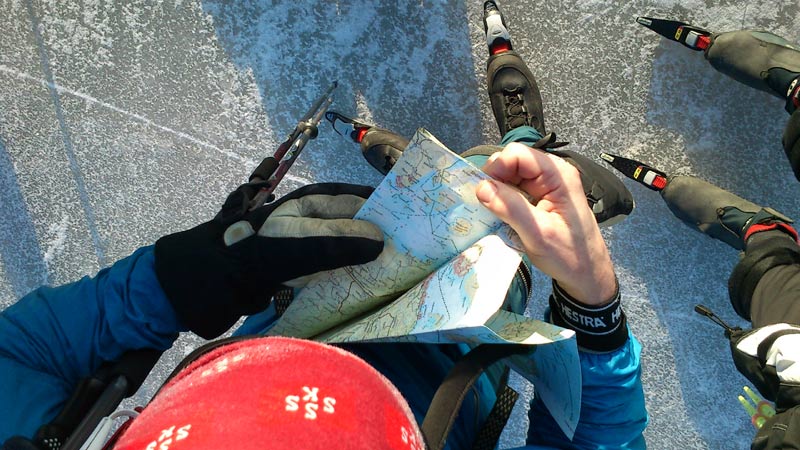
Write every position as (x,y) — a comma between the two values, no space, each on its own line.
(613,414)
(53,337)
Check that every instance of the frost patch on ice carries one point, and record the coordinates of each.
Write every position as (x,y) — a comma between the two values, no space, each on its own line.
(55,246)
(89,99)
(299,179)
(362,108)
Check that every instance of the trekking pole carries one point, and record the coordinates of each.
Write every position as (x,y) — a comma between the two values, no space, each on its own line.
(99,395)
(273,168)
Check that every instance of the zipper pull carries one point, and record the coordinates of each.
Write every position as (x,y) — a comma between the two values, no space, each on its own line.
(705,311)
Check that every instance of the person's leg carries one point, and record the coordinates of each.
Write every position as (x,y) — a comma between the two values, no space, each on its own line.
(764,286)
(525,134)
(513,92)
(766,281)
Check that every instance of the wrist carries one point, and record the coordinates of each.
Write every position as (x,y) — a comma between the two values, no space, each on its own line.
(597,288)
(600,328)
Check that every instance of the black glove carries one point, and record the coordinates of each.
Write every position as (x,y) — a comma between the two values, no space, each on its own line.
(221,270)
(769,357)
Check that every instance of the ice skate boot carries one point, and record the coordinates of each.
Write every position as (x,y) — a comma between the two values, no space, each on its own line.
(513,91)
(381,148)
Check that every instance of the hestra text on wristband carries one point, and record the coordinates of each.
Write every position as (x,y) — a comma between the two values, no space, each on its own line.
(597,328)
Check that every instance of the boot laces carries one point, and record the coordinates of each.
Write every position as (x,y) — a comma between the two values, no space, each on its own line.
(549,142)
(516,113)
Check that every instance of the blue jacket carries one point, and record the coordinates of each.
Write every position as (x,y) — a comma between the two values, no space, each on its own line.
(54,337)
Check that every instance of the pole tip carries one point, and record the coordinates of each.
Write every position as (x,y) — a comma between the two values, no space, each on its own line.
(700,309)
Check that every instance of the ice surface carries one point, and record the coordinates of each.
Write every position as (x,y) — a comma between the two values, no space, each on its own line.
(123,121)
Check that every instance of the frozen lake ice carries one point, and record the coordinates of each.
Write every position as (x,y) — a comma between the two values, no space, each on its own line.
(124,121)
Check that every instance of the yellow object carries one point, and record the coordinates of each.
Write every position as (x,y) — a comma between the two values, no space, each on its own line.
(757,408)
(764,407)
(747,406)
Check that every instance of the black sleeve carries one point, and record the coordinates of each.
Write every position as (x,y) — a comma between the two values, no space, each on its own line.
(765,285)
(782,431)
(765,289)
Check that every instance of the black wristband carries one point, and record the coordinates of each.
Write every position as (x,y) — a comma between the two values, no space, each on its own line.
(597,328)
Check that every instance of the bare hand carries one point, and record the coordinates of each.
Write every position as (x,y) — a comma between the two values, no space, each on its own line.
(557,227)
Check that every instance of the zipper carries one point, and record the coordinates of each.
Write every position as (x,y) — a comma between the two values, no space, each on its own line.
(525,275)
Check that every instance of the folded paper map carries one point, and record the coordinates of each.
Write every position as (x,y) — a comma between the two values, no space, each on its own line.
(446,267)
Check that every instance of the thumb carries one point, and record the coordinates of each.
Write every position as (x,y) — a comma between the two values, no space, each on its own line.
(507,203)
(306,246)
(304,227)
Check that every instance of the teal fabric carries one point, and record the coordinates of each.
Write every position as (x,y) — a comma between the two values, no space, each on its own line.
(524,135)
(613,414)
(53,337)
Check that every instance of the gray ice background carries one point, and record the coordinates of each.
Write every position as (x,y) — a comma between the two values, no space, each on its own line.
(123,121)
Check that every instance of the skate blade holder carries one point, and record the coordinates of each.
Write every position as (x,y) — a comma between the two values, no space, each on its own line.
(693,37)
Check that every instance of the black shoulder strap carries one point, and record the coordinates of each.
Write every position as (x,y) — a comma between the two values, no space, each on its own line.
(200,351)
(495,423)
(446,403)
